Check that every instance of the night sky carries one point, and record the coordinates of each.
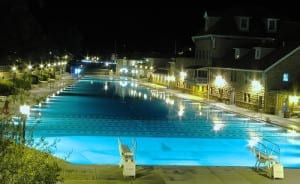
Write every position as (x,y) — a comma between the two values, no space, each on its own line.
(141,26)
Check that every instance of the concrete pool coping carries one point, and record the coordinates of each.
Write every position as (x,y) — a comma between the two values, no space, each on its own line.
(173,174)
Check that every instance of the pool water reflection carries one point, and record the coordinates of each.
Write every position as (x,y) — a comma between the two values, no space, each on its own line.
(88,117)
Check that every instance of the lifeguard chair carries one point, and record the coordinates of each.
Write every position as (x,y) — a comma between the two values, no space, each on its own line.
(127,159)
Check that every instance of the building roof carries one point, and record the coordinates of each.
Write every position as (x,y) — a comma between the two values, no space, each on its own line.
(250,63)
(229,25)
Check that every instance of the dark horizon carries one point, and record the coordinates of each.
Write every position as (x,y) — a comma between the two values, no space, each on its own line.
(91,28)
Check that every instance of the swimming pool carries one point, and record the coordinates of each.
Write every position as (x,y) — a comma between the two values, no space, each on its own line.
(88,117)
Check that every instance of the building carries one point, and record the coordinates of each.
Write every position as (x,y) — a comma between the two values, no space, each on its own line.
(251,60)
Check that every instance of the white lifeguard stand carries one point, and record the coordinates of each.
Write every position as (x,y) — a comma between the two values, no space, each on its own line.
(268,158)
(127,159)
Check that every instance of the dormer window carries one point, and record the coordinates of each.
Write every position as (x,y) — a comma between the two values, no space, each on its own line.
(244,23)
(257,53)
(272,25)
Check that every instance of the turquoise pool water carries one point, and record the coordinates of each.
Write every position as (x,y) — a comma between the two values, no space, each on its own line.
(87,119)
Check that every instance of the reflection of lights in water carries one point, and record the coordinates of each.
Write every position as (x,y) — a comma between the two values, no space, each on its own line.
(253,141)
(123,83)
(40,104)
(105,86)
(200,113)
(134,84)
(199,107)
(139,94)
(169,101)
(292,133)
(145,96)
(53,95)
(92,82)
(47,99)
(181,110)
(217,127)
(58,92)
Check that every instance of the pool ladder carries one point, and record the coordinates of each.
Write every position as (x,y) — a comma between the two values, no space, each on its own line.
(268,155)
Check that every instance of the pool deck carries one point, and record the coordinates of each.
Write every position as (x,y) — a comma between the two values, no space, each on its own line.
(109,174)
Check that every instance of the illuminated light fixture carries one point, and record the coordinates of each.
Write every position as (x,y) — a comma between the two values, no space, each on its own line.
(256,86)
(220,82)
(182,75)
(293,99)
(14,68)
(29,67)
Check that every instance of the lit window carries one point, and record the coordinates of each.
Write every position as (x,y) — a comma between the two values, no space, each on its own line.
(285,77)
